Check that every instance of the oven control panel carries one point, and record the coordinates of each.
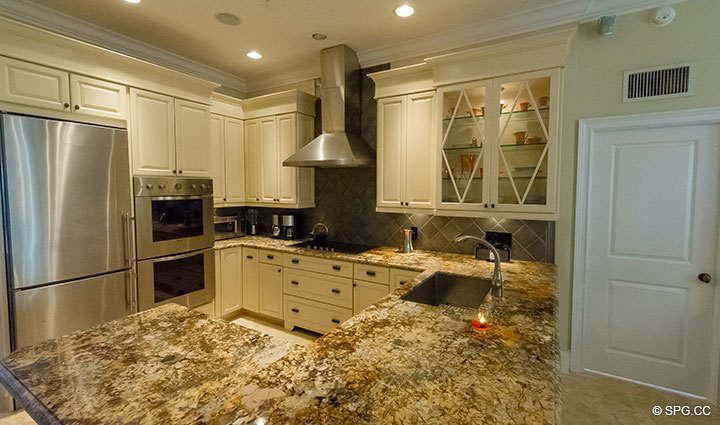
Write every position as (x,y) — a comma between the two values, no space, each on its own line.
(172,186)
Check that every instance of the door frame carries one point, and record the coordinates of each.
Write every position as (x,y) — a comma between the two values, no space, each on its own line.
(587,129)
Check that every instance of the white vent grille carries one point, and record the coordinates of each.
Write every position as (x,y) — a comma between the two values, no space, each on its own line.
(658,83)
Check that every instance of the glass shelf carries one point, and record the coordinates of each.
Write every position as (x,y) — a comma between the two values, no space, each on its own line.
(463,149)
(526,146)
(481,118)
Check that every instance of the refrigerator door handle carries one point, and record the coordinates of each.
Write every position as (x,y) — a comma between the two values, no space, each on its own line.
(128,289)
(128,239)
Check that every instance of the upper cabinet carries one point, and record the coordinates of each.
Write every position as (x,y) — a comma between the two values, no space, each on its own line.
(474,133)
(498,145)
(405,152)
(227,151)
(169,136)
(27,84)
(270,138)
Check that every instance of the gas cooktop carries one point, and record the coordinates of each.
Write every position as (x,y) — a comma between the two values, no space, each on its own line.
(330,246)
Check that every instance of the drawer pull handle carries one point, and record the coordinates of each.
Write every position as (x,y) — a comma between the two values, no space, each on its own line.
(402,282)
(249,257)
(370,273)
(295,261)
(337,268)
(335,291)
(270,257)
(336,321)
(294,282)
(294,310)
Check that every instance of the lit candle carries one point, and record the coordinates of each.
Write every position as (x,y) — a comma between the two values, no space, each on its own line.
(481,322)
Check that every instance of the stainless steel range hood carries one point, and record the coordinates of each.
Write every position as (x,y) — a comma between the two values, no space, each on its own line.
(340,144)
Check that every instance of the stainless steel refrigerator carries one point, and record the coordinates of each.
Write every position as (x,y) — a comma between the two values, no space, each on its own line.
(67,226)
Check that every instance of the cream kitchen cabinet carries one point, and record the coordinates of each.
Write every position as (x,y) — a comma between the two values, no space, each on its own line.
(270,295)
(406,153)
(500,160)
(250,282)
(227,160)
(268,141)
(229,287)
(169,136)
(366,294)
(401,277)
(29,84)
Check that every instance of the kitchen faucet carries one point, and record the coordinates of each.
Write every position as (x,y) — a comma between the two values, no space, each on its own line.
(497,280)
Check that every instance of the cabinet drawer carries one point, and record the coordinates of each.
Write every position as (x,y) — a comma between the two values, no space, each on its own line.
(319,287)
(400,277)
(375,274)
(270,257)
(319,265)
(313,315)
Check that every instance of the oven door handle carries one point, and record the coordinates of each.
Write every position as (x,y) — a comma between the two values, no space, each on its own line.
(181,256)
(178,197)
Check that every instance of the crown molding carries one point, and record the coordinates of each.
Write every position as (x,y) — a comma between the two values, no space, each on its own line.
(595,13)
(50,20)
(308,72)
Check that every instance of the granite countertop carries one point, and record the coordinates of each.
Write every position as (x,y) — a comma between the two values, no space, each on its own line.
(395,362)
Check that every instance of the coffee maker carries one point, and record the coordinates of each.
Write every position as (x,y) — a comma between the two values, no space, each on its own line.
(289,228)
(276,228)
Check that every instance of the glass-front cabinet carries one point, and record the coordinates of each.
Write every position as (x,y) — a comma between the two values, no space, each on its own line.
(498,144)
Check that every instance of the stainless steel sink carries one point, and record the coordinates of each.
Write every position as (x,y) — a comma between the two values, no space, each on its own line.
(450,289)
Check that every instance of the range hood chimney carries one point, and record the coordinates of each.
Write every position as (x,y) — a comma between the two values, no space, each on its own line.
(340,144)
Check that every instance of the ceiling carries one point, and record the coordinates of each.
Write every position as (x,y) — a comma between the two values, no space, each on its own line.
(185,35)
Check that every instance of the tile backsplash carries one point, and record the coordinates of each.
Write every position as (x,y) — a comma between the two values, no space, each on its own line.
(345,202)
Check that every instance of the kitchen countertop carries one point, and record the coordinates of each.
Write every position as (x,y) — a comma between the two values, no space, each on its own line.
(395,362)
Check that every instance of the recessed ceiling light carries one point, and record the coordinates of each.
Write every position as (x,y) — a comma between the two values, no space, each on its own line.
(254,55)
(404,11)
(133,1)
(227,19)
(319,36)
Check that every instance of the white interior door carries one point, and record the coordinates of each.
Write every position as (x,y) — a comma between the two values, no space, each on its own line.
(652,229)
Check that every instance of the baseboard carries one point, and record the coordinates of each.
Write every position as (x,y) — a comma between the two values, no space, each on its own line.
(565,361)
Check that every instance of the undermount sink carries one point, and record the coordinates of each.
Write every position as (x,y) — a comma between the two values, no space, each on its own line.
(450,289)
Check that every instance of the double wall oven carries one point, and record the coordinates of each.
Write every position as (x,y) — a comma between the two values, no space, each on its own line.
(175,236)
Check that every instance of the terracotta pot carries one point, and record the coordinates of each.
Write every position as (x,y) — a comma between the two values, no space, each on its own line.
(467,162)
(543,100)
(524,106)
(520,137)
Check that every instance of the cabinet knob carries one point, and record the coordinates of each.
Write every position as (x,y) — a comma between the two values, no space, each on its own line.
(279,270)
(492,205)
(66,105)
(486,205)
(179,171)
(77,107)
(402,282)
(174,171)
(704,278)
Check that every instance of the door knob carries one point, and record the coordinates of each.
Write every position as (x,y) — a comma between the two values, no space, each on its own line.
(704,278)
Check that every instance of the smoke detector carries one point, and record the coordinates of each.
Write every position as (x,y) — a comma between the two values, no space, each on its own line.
(662,16)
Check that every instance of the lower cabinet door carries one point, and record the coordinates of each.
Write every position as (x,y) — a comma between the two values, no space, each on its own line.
(230,280)
(312,315)
(270,290)
(250,279)
(366,294)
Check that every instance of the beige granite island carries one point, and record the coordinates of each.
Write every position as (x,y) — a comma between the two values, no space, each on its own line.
(395,362)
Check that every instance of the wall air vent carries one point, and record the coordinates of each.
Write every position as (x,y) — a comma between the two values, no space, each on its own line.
(658,83)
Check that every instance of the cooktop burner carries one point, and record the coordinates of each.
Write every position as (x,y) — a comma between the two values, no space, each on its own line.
(330,246)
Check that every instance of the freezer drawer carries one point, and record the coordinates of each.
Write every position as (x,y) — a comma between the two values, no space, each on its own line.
(55,310)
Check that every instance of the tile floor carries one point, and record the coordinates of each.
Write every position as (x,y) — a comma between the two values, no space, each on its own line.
(587,399)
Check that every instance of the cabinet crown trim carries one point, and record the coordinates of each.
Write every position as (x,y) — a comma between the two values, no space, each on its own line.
(279,103)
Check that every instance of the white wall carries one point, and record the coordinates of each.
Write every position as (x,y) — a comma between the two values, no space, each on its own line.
(593,88)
